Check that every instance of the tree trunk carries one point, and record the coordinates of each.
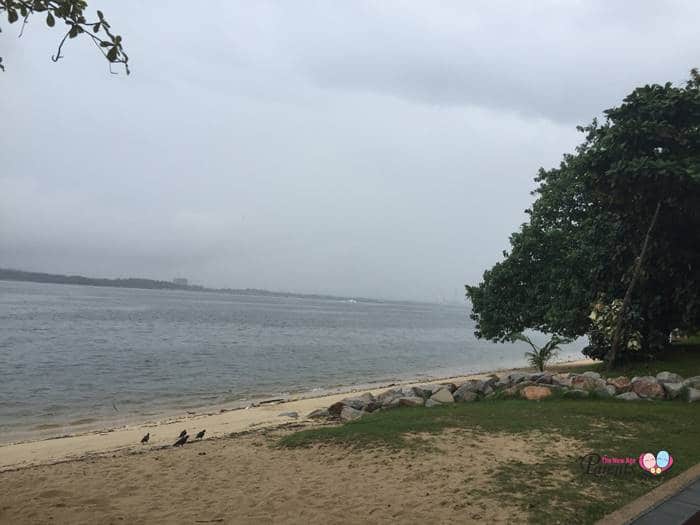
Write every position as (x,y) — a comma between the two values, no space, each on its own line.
(612,354)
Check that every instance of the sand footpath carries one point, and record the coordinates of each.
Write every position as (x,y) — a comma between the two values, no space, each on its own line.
(125,439)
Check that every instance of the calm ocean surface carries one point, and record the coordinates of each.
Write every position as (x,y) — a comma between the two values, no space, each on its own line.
(72,356)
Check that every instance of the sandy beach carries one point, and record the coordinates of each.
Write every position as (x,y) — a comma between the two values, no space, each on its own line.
(238,474)
(164,433)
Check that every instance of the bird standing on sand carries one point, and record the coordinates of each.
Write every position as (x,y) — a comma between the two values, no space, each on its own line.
(183,434)
(200,434)
(145,438)
(181,441)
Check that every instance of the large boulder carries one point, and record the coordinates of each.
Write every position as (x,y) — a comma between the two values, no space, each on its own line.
(621,384)
(628,396)
(465,396)
(693,394)
(517,377)
(563,380)
(319,413)
(544,378)
(411,401)
(364,402)
(443,396)
(471,385)
(449,386)
(388,396)
(503,382)
(590,373)
(349,414)
(535,393)
(588,382)
(576,394)
(668,377)
(425,391)
(429,403)
(647,387)
(673,390)
(693,382)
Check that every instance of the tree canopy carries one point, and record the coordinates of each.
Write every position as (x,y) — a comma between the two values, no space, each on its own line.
(72,14)
(590,219)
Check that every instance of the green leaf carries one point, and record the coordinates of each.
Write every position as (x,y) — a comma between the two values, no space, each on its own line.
(50,20)
(100,15)
(96,28)
(12,16)
(73,32)
(112,54)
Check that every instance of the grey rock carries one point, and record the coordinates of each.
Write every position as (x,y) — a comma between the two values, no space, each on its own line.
(693,395)
(388,396)
(449,386)
(588,382)
(289,414)
(349,414)
(319,413)
(590,373)
(425,391)
(628,396)
(576,394)
(465,397)
(517,377)
(411,401)
(668,377)
(648,379)
(364,402)
(503,382)
(432,403)
(693,382)
(562,380)
(472,385)
(443,396)
(673,390)
(545,378)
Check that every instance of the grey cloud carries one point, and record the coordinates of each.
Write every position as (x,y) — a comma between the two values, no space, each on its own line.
(382,149)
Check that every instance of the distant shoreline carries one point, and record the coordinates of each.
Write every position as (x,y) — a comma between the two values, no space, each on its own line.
(7,274)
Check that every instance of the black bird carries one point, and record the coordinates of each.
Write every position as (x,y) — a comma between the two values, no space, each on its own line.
(200,434)
(183,434)
(145,438)
(181,441)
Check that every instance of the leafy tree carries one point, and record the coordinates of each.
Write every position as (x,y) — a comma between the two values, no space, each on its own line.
(72,14)
(619,220)
(541,356)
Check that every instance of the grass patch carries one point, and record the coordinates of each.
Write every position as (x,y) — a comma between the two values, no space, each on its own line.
(611,427)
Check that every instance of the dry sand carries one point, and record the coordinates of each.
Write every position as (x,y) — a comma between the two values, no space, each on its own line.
(21,455)
(247,479)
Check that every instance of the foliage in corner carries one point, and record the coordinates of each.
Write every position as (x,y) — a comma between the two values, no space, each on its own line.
(72,14)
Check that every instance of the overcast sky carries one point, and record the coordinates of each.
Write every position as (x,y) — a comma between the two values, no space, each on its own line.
(382,149)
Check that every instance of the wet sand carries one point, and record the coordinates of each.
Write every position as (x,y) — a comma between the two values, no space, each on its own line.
(164,433)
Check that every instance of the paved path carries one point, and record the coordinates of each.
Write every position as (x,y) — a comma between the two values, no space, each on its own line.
(683,508)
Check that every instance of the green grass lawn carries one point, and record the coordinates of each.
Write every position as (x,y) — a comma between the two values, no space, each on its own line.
(604,426)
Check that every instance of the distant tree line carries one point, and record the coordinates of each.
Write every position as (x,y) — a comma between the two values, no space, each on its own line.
(150,284)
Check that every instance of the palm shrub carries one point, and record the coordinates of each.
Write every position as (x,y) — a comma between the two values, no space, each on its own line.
(541,356)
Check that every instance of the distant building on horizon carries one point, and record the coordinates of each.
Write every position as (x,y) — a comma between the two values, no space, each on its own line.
(180,281)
